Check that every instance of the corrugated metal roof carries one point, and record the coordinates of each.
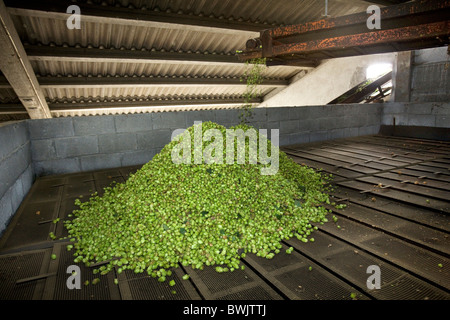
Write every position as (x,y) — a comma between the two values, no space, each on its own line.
(7,95)
(74,68)
(90,93)
(96,111)
(39,27)
(54,31)
(272,12)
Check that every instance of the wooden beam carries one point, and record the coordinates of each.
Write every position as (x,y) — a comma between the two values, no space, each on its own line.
(110,14)
(47,53)
(17,69)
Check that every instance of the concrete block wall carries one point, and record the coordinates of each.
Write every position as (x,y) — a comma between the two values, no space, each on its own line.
(16,170)
(64,145)
(427,114)
(430,79)
(319,123)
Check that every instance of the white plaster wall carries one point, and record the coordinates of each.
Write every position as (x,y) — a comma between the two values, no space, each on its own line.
(326,82)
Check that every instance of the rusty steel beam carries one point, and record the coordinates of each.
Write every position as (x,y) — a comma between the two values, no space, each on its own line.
(409,26)
(437,32)
(409,9)
(427,31)
(385,2)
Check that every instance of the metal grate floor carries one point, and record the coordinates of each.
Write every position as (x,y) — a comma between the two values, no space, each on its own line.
(397,193)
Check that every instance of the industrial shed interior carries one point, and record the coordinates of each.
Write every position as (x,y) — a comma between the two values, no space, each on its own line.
(90,91)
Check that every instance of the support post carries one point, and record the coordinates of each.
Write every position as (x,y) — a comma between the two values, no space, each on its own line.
(17,69)
(401,76)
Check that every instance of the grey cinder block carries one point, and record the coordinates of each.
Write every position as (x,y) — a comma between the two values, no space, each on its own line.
(289,126)
(299,113)
(137,157)
(278,114)
(100,161)
(319,111)
(169,120)
(326,124)
(443,121)
(12,136)
(27,179)
(300,137)
(394,107)
(16,194)
(350,132)
(318,136)
(337,110)
(93,125)
(353,121)
(13,166)
(43,149)
(199,115)
(373,119)
(6,147)
(335,134)
(6,213)
(133,122)
(375,108)
(258,125)
(228,116)
(57,166)
(116,142)
(400,119)
(365,109)
(368,130)
(421,108)
(305,125)
(425,120)
(339,123)
(260,114)
(284,140)
(51,128)
(153,139)
(351,109)
(76,146)
(441,109)
(272,125)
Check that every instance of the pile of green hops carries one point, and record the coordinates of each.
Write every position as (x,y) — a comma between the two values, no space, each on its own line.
(197,215)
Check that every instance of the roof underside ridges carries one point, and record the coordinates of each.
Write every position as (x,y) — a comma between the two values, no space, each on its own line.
(76,93)
(267,12)
(42,29)
(48,31)
(156,68)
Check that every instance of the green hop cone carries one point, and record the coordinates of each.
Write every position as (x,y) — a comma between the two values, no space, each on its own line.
(198,214)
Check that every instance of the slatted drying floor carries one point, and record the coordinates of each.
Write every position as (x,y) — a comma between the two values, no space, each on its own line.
(397,217)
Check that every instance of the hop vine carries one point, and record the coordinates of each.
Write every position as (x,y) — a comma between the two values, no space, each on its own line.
(253,77)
